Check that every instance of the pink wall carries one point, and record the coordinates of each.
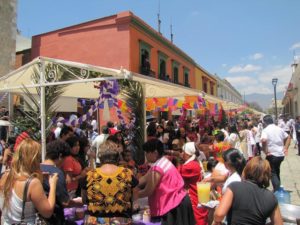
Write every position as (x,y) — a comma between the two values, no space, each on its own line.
(103,42)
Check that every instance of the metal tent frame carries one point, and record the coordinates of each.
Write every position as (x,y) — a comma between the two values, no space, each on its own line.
(84,76)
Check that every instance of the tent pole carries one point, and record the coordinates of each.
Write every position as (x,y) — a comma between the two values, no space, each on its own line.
(144,111)
(43,113)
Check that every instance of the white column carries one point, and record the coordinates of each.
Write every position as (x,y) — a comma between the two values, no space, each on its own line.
(42,110)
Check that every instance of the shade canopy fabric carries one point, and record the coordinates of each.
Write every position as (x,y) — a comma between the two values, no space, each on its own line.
(160,88)
(80,79)
(44,72)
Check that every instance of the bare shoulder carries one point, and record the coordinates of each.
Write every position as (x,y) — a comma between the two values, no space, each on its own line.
(35,182)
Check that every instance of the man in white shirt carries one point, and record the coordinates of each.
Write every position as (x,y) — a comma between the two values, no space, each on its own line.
(275,144)
(94,123)
(100,139)
(57,130)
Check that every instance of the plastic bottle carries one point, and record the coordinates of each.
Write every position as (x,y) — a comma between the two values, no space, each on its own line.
(283,196)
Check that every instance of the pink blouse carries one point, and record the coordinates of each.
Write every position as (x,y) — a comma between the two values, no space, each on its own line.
(169,192)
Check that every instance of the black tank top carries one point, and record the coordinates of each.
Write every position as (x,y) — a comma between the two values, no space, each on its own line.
(251,205)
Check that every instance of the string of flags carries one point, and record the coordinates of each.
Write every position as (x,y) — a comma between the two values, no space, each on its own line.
(188,102)
(108,91)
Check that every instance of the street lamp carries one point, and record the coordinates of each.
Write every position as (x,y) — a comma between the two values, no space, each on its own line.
(274,82)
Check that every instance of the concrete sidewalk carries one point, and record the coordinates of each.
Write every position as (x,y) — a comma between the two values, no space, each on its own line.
(290,174)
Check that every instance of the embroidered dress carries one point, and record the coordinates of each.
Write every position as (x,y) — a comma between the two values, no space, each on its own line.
(110,195)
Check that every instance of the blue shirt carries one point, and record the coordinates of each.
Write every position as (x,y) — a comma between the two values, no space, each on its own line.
(61,192)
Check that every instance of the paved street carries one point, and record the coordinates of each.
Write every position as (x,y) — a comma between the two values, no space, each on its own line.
(290,174)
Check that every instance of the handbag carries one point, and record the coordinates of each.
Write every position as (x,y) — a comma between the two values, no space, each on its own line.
(39,219)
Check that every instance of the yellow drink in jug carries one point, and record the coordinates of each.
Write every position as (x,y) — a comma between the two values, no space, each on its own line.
(203,191)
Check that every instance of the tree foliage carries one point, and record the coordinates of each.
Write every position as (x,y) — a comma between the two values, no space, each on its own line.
(28,113)
(132,93)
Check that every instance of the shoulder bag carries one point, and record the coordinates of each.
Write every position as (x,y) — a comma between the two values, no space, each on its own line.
(39,219)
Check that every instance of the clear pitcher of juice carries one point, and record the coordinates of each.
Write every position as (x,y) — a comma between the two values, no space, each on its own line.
(203,192)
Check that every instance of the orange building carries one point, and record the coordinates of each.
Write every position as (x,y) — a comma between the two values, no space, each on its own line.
(121,40)
(205,81)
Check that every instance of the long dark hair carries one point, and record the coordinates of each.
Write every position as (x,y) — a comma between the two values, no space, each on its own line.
(235,159)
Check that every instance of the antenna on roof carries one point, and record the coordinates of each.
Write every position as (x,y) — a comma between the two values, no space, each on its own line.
(158,17)
(172,35)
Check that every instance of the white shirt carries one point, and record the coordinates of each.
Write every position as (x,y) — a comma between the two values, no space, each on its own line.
(221,168)
(232,178)
(12,214)
(234,141)
(100,139)
(281,123)
(94,124)
(226,134)
(275,137)
(57,132)
(258,132)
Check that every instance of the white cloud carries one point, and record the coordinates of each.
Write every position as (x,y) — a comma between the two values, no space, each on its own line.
(283,74)
(241,81)
(248,85)
(244,69)
(296,45)
(224,65)
(262,82)
(256,56)
(258,89)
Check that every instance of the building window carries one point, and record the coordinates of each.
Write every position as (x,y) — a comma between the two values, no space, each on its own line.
(175,69)
(204,84)
(162,66)
(186,77)
(211,88)
(145,56)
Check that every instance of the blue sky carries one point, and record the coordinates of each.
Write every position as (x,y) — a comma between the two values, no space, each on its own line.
(246,41)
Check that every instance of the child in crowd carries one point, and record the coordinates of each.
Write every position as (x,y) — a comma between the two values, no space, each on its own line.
(127,161)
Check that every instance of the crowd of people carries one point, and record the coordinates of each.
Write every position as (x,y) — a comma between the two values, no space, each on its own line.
(83,166)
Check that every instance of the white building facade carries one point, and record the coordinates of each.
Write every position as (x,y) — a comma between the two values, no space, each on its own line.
(227,92)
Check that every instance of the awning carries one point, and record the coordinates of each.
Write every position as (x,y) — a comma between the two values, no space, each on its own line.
(160,88)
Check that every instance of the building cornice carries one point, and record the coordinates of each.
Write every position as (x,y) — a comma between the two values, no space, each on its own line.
(137,22)
(212,77)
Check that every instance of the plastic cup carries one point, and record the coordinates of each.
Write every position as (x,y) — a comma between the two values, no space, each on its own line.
(203,192)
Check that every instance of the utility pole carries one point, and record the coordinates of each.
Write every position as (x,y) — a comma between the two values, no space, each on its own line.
(274,82)
(171,33)
(158,17)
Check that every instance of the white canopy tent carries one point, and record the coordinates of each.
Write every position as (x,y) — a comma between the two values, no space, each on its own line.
(37,74)
(82,84)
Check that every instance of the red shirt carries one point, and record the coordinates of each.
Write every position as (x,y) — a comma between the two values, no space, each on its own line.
(191,174)
(71,165)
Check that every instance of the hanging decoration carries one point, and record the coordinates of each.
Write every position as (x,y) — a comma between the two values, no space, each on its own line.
(108,91)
